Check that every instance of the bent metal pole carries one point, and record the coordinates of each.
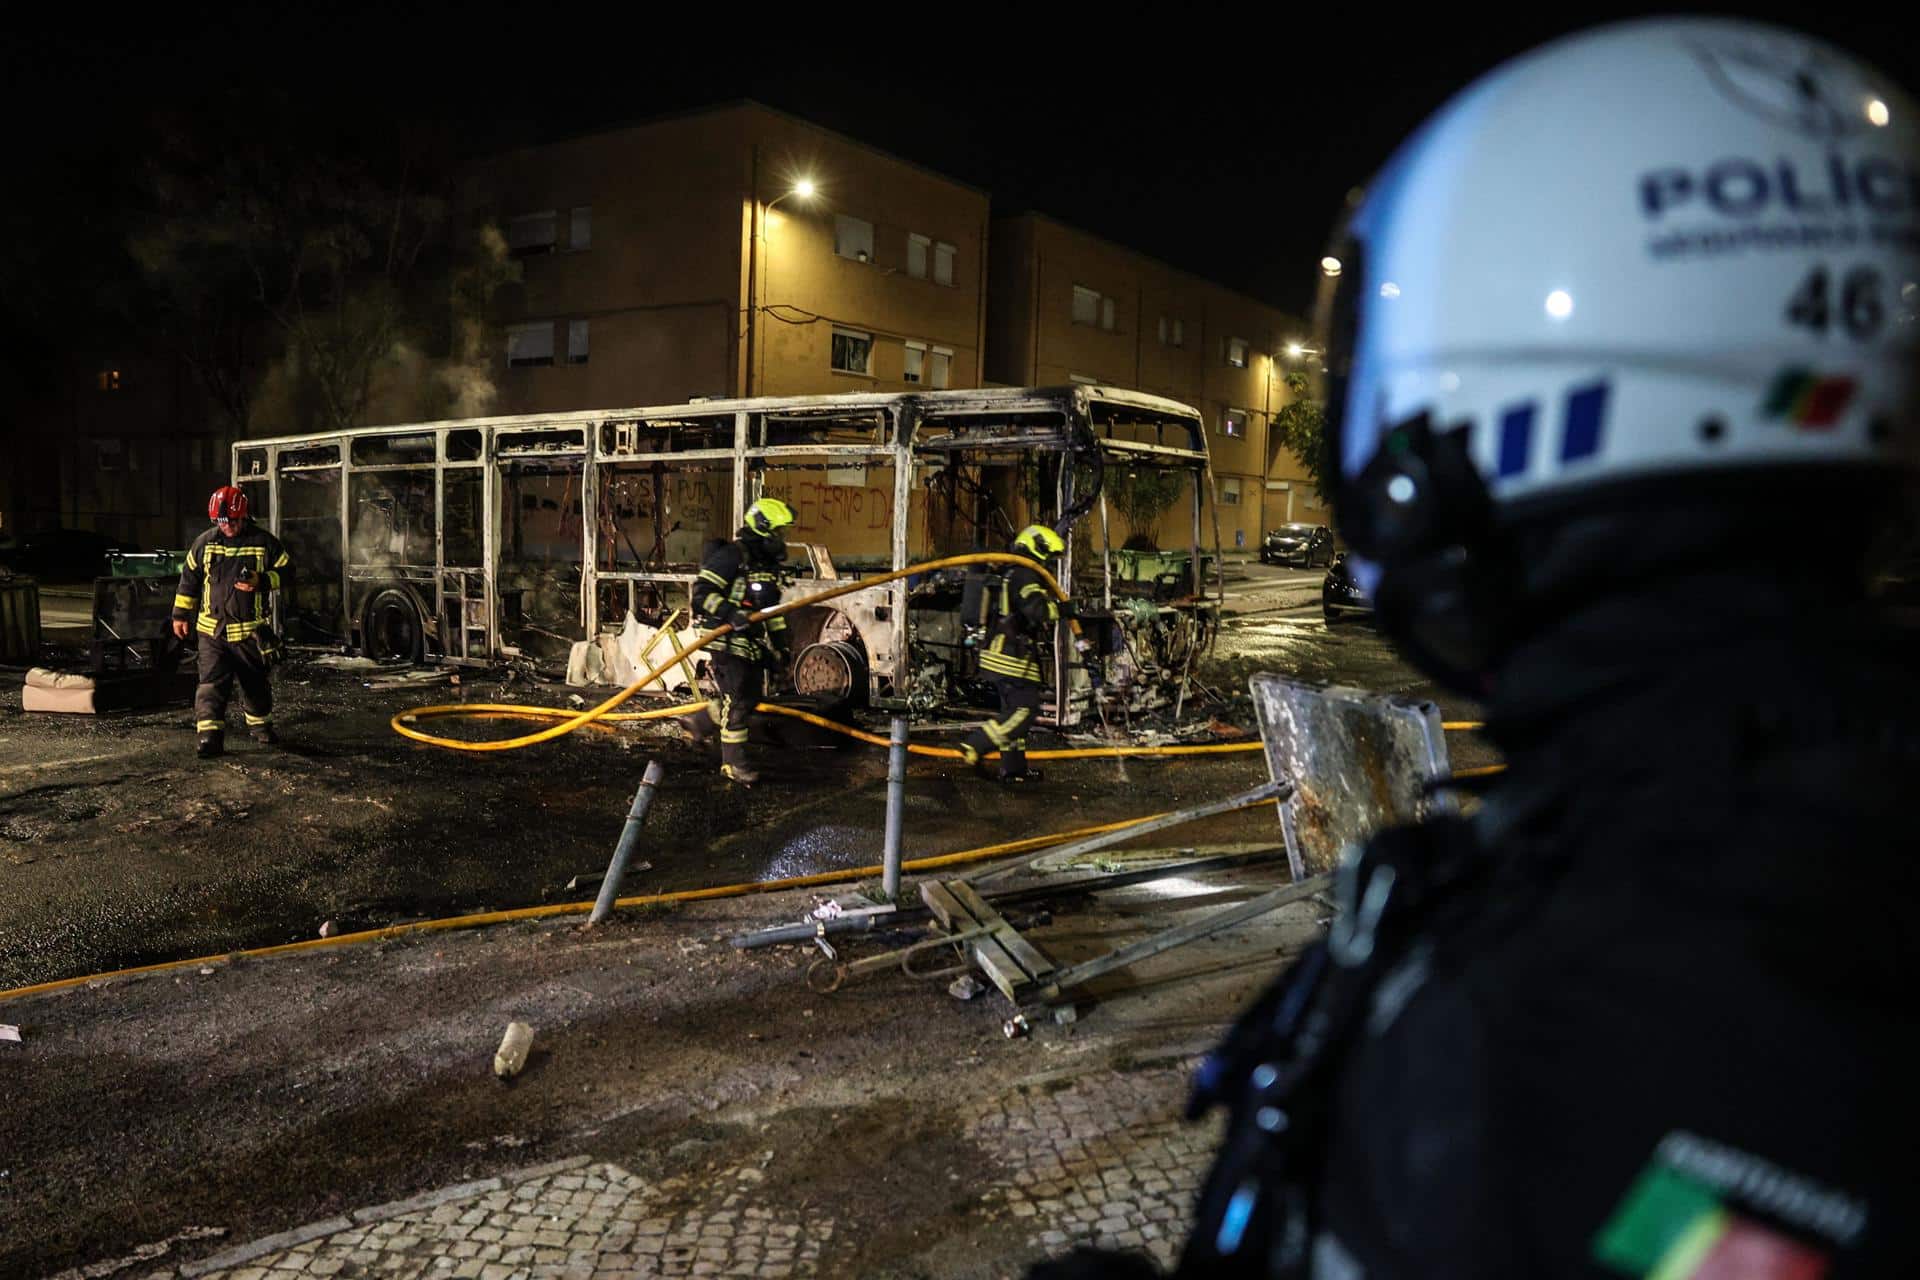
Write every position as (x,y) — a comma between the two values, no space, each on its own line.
(896,805)
(629,837)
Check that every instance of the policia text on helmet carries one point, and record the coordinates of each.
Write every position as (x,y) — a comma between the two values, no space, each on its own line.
(1614,330)
(737,579)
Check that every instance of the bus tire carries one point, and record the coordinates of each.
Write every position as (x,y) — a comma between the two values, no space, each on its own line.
(392,628)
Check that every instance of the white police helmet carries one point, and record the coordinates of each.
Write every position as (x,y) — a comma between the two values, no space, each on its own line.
(1650,250)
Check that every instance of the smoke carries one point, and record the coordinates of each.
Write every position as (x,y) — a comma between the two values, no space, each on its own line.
(468,378)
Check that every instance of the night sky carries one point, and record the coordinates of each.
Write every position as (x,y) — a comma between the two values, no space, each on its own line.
(1222,144)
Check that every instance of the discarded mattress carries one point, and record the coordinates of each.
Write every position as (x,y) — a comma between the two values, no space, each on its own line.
(77,693)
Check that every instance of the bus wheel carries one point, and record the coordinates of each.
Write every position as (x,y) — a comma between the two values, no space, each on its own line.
(393,630)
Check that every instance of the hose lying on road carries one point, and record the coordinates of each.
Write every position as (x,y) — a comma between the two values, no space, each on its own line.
(582,908)
(404,722)
(575,720)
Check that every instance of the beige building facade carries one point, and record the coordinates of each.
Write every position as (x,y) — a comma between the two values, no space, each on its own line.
(739,251)
(730,252)
(1065,305)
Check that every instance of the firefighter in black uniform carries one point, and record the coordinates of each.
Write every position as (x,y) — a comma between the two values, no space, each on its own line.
(1648,1010)
(225,595)
(1010,659)
(739,578)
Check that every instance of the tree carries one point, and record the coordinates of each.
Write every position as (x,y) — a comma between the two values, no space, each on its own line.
(1300,426)
(1142,495)
(319,274)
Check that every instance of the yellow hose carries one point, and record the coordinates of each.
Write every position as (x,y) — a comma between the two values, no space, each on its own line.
(576,719)
(402,723)
(483,710)
(581,908)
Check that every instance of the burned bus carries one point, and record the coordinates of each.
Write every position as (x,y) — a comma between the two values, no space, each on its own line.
(479,540)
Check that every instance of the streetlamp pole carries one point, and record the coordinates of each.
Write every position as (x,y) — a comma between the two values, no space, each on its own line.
(756,282)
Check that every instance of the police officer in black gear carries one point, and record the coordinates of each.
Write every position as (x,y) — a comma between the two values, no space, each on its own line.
(738,579)
(1646,1010)
(1010,659)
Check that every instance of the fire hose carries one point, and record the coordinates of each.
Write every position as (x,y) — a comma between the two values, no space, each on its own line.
(404,722)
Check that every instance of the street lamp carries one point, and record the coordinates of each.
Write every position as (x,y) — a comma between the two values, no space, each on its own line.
(802,189)
(1330,265)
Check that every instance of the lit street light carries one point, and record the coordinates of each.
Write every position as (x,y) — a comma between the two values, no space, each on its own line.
(1330,265)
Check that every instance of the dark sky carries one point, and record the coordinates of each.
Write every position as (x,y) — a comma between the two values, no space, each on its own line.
(1221,141)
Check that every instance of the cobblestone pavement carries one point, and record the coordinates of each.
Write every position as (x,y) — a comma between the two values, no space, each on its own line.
(1108,1162)
(1103,1159)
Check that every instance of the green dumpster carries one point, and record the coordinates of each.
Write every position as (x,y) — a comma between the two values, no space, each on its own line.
(146,564)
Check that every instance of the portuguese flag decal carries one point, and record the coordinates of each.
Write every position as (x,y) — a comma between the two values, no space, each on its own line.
(1807,400)
(1673,1227)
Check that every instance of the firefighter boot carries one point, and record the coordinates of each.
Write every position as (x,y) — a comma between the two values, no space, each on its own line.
(733,763)
(264,734)
(212,743)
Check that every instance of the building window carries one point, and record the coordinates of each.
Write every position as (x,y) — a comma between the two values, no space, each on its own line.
(942,369)
(943,263)
(916,362)
(1086,305)
(1237,352)
(530,344)
(917,246)
(577,341)
(852,238)
(108,453)
(1229,491)
(580,228)
(532,233)
(852,352)
(1179,332)
(1091,307)
(109,379)
(1233,422)
(1173,331)
(1163,331)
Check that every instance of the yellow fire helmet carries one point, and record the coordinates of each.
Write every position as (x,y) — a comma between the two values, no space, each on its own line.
(768,514)
(1039,542)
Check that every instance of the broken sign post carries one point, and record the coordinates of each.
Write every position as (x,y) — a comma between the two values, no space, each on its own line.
(629,837)
(896,807)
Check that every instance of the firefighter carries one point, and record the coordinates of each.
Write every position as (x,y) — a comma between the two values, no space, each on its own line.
(739,578)
(225,595)
(1010,659)
(1594,1029)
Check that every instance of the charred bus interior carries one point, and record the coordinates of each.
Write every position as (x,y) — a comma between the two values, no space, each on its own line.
(520,538)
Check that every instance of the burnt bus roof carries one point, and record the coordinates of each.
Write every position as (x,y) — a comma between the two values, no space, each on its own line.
(1111,404)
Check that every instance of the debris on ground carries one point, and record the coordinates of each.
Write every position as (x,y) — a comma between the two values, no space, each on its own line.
(964,987)
(345,662)
(411,679)
(328,928)
(9,1033)
(512,1054)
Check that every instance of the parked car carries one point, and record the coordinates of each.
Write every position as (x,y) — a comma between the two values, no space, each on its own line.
(58,555)
(1340,595)
(1303,544)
